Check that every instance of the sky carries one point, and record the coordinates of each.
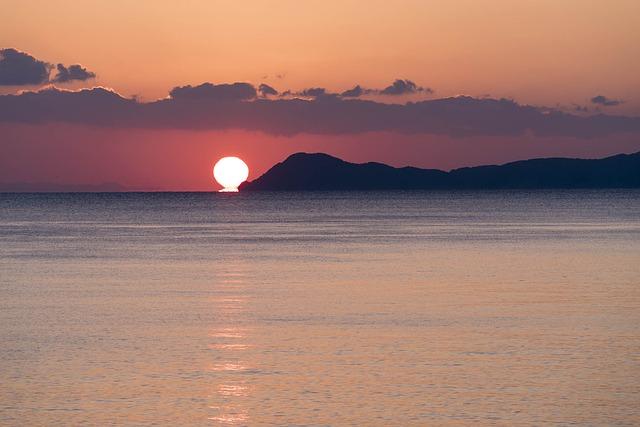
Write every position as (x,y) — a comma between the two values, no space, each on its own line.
(149,94)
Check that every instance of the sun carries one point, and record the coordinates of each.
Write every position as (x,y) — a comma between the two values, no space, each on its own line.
(230,172)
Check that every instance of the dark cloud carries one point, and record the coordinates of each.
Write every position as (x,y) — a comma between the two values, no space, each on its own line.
(19,68)
(266,90)
(314,92)
(71,73)
(97,106)
(398,87)
(318,94)
(213,92)
(353,93)
(605,102)
(403,87)
(329,114)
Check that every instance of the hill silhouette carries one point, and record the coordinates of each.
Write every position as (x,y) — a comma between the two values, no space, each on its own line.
(318,171)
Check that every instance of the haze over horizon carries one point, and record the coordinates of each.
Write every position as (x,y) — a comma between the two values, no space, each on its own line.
(154,104)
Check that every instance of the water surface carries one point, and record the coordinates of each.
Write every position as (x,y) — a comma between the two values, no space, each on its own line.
(406,308)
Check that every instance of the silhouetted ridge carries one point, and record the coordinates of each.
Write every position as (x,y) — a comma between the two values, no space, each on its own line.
(319,171)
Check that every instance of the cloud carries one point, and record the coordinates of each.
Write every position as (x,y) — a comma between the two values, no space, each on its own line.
(213,92)
(73,72)
(314,92)
(19,68)
(398,87)
(266,90)
(190,108)
(353,93)
(96,106)
(403,87)
(605,102)
(317,93)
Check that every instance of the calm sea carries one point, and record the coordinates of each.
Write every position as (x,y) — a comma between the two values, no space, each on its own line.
(391,309)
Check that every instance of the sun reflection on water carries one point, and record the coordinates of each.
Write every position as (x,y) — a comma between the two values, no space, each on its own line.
(228,367)
(231,419)
(227,333)
(226,346)
(229,342)
(232,390)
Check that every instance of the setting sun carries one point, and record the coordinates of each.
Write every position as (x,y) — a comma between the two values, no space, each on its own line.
(230,172)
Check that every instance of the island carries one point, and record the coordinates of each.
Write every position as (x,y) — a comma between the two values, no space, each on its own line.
(322,172)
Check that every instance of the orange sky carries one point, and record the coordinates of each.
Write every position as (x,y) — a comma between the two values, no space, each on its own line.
(553,53)
(544,52)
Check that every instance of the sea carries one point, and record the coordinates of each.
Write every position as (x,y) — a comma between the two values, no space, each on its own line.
(441,308)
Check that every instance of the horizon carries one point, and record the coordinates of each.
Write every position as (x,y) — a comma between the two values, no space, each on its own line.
(114,187)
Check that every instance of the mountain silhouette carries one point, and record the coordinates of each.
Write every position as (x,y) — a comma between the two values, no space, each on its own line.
(318,171)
